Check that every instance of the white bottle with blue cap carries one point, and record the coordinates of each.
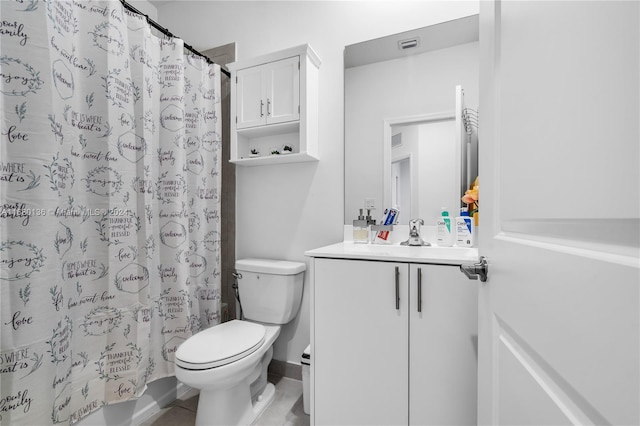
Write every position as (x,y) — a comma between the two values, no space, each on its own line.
(464,230)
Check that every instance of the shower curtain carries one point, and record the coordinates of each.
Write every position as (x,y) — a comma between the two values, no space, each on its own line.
(109,206)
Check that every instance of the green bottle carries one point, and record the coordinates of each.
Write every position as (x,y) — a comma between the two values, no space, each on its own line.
(444,236)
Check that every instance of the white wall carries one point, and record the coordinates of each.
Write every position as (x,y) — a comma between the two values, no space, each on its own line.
(145,7)
(286,209)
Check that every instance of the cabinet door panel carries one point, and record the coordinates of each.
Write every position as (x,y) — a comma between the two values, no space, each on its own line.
(251,106)
(360,357)
(283,90)
(443,347)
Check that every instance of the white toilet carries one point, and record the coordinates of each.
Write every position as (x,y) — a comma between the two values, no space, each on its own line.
(228,362)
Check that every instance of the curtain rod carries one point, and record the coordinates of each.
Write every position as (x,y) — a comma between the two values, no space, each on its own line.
(168,33)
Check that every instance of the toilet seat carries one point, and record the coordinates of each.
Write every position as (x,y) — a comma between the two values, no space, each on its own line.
(220,345)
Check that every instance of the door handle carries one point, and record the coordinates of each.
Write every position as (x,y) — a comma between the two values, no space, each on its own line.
(261,107)
(419,290)
(397,288)
(480,269)
(268,107)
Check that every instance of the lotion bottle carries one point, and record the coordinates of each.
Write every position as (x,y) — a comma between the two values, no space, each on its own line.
(444,231)
(464,235)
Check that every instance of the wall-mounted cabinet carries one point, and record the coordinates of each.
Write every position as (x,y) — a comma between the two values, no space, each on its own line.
(268,94)
(274,103)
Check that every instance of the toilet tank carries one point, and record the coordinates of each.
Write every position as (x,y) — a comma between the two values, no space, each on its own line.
(270,290)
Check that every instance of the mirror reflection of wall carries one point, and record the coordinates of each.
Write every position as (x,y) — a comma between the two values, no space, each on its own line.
(404,148)
(422,190)
(401,186)
(383,88)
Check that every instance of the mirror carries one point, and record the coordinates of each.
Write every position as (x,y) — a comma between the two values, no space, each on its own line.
(408,143)
(428,145)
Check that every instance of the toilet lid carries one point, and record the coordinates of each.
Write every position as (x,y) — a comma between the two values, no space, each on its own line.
(220,345)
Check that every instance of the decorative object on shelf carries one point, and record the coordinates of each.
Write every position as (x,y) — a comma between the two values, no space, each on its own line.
(471,197)
(287,149)
(254,153)
(275,152)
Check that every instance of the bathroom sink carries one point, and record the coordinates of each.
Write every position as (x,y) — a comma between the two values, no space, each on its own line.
(397,252)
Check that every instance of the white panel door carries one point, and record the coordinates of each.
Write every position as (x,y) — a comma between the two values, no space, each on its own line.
(443,346)
(360,353)
(283,90)
(560,223)
(251,108)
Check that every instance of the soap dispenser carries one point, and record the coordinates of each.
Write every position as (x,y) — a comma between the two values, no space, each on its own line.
(360,230)
(370,222)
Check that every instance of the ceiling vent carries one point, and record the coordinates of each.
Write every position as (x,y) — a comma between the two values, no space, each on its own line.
(409,43)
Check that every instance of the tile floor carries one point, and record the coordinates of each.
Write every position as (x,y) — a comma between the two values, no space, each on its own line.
(285,409)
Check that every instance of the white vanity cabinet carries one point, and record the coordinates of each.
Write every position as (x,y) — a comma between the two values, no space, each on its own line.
(274,102)
(381,357)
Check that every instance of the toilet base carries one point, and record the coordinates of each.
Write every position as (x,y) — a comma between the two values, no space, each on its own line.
(264,400)
(232,407)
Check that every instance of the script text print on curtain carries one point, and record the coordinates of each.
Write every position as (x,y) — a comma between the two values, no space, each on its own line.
(109,220)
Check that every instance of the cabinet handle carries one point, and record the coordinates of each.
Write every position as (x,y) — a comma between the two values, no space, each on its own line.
(268,107)
(261,107)
(419,289)
(397,288)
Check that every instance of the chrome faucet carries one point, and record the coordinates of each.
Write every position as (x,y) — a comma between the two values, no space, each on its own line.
(414,234)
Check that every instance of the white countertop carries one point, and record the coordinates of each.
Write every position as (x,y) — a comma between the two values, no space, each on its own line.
(397,253)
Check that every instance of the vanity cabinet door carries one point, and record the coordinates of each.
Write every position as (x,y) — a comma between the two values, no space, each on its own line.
(443,346)
(360,356)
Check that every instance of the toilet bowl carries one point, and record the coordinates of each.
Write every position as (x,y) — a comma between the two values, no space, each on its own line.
(224,371)
(228,362)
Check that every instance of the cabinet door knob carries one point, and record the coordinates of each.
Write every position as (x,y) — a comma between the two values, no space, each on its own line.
(261,107)
(268,107)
